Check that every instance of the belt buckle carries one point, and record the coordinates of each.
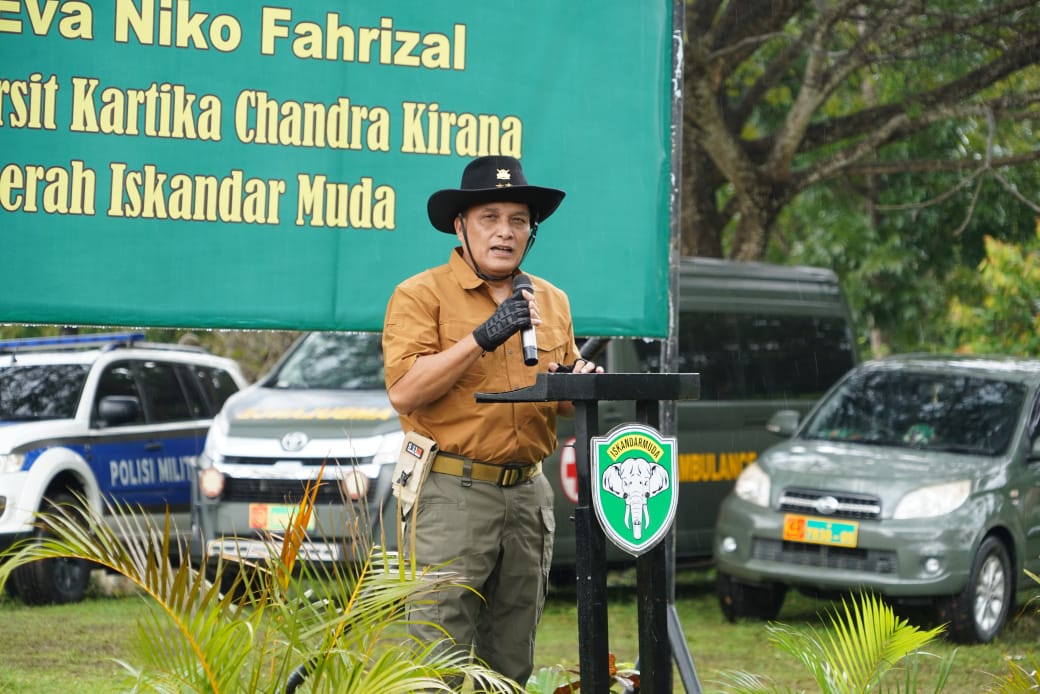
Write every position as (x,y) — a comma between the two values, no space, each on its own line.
(512,474)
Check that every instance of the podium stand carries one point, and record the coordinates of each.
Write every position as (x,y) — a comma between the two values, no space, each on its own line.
(660,634)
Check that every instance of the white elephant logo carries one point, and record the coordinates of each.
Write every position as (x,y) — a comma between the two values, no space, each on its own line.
(635,480)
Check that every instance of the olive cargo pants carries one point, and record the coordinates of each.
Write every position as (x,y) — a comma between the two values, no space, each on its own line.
(500,541)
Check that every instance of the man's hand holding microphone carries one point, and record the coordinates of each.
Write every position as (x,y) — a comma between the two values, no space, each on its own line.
(519,313)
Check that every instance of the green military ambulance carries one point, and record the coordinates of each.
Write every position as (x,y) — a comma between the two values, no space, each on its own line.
(762,337)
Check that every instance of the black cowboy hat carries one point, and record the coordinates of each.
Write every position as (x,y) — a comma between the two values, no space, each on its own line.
(491,179)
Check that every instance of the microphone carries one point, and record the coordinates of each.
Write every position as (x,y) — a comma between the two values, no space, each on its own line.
(520,282)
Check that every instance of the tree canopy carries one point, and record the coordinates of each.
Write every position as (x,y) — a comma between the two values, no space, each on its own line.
(884,139)
(1003,316)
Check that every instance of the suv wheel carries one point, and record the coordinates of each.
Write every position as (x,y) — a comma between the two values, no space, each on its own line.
(740,600)
(978,613)
(49,581)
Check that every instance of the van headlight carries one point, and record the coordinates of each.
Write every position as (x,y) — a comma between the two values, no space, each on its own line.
(389,448)
(753,485)
(354,483)
(211,483)
(933,500)
(215,438)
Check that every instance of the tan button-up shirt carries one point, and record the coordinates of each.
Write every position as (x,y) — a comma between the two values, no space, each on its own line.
(429,312)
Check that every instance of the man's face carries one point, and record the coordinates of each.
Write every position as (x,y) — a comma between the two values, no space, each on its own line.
(498,233)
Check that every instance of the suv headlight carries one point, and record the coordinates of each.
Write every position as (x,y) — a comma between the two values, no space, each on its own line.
(753,485)
(11,462)
(934,500)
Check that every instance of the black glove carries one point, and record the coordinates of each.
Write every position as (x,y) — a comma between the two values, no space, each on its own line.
(511,316)
(565,369)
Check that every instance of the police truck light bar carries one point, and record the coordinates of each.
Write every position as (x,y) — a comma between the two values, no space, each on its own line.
(70,340)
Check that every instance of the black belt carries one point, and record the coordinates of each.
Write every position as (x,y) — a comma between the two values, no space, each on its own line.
(504,475)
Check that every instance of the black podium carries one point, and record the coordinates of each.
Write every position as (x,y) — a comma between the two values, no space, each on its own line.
(654,569)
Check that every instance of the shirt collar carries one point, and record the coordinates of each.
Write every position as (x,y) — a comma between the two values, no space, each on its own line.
(463,273)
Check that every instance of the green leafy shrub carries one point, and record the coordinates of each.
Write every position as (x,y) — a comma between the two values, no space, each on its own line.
(867,649)
(341,631)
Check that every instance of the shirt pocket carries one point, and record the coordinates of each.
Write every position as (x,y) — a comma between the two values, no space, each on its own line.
(554,344)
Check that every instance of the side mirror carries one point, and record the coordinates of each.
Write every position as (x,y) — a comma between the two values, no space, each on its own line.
(783,423)
(114,410)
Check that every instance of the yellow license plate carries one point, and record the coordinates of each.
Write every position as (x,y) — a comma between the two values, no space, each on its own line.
(820,531)
(274,516)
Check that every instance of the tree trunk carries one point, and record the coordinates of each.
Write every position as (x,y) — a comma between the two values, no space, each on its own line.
(758,211)
(701,222)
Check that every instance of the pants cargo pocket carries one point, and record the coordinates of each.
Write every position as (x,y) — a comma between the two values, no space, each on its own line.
(548,539)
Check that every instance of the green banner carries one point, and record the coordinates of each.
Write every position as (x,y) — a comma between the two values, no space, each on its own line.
(240,165)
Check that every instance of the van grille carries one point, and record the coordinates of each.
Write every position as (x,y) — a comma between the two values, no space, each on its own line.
(308,462)
(279,491)
(845,504)
(840,558)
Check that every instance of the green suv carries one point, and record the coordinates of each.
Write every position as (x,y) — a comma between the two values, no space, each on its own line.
(916,478)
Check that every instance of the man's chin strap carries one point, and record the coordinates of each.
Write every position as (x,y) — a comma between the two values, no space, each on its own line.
(476,268)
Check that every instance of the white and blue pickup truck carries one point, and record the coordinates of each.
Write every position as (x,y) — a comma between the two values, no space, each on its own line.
(104,418)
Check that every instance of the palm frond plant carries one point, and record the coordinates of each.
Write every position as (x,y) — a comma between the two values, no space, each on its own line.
(284,625)
(1023,674)
(867,649)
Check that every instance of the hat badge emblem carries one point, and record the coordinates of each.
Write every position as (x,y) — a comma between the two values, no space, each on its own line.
(504,178)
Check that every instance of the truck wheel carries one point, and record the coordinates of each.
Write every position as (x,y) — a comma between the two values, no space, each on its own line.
(978,613)
(50,581)
(740,600)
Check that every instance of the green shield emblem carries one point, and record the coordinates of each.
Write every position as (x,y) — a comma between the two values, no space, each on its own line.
(634,486)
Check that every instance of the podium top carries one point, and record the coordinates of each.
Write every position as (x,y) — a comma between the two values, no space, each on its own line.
(551,387)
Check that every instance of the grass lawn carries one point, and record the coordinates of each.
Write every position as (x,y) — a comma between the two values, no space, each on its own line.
(716,645)
(67,648)
(73,648)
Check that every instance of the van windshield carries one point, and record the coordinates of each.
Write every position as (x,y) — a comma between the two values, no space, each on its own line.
(334,361)
(758,356)
(943,412)
(41,391)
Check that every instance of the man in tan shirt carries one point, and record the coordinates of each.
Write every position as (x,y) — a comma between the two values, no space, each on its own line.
(450,332)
